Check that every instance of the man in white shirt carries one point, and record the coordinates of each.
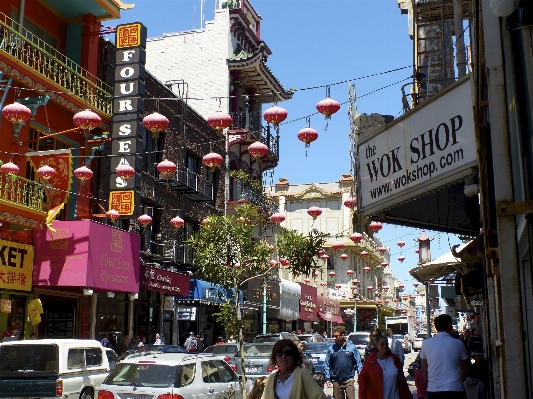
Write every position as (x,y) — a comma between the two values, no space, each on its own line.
(444,362)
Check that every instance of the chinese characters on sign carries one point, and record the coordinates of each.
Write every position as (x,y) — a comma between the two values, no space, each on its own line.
(128,106)
(16,266)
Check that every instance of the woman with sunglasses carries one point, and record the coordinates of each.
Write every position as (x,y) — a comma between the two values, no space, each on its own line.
(372,345)
(382,376)
(290,381)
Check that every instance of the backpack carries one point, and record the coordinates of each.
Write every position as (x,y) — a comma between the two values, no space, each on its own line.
(192,345)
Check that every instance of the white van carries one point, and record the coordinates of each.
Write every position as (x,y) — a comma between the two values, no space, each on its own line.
(52,368)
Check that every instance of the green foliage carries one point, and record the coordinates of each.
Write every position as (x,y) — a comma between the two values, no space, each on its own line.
(244,177)
(226,317)
(300,250)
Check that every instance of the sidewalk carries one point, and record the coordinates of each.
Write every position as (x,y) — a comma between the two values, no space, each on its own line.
(410,382)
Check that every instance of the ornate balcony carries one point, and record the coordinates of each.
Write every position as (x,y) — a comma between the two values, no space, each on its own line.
(255,196)
(191,184)
(251,122)
(21,201)
(26,48)
(172,252)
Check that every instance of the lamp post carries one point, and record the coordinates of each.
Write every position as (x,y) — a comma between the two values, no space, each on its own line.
(264,305)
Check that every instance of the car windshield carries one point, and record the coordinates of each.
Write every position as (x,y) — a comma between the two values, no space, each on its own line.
(359,339)
(317,347)
(258,350)
(151,375)
(267,338)
(221,349)
(29,358)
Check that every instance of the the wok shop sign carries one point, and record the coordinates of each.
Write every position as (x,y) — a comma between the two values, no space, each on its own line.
(429,148)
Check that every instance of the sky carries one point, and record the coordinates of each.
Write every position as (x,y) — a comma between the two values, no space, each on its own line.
(318,43)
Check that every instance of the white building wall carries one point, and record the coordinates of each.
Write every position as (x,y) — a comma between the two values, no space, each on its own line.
(199,58)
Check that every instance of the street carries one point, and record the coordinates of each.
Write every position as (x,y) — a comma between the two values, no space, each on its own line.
(409,358)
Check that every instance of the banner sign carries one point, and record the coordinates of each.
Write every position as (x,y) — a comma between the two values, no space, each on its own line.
(128,105)
(16,266)
(186,313)
(431,147)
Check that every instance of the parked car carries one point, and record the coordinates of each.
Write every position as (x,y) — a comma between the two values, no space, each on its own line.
(329,340)
(360,339)
(275,337)
(256,360)
(47,368)
(419,339)
(152,349)
(312,337)
(171,375)
(316,351)
(227,350)
(406,344)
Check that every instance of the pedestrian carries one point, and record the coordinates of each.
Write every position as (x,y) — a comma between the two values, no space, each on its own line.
(421,385)
(135,342)
(382,376)
(342,361)
(474,388)
(395,345)
(190,343)
(220,340)
(199,344)
(290,380)
(157,340)
(375,333)
(125,345)
(143,341)
(325,334)
(444,361)
(231,340)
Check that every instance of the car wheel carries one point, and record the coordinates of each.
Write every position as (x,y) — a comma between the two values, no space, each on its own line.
(87,393)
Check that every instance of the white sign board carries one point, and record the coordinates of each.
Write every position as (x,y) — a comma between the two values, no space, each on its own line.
(450,311)
(186,313)
(432,146)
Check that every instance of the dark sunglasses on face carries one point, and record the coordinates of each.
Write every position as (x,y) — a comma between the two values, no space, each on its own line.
(287,353)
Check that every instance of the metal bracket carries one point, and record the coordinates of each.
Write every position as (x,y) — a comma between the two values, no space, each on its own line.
(514,208)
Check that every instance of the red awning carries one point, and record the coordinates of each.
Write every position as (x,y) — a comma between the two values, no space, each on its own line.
(330,317)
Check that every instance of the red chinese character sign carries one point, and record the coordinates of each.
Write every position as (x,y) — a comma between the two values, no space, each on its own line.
(16,266)
(128,108)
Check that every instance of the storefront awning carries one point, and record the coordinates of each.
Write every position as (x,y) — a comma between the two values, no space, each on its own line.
(165,281)
(329,309)
(330,317)
(206,292)
(87,254)
(289,300)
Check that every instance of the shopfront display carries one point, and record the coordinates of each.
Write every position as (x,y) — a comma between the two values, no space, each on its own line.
(308,304)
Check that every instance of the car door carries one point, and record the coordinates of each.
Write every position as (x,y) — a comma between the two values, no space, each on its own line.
(219,379)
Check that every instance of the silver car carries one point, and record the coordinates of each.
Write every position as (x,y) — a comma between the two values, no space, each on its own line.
(256,360)
(164,375)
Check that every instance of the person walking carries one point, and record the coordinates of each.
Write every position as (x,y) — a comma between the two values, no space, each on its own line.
(444,362)
(291,381)
(375,333)
(190,343)
(342,360)
(157,339)
(382,376)
(395,346)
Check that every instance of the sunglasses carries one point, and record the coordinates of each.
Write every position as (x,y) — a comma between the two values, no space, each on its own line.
(287,353)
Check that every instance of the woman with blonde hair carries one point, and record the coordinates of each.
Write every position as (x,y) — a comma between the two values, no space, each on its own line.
(290,381)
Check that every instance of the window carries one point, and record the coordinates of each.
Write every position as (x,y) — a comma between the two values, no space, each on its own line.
(93,357)
(185,374)
(214,371)
(37,358)
(84,357)
(142,374)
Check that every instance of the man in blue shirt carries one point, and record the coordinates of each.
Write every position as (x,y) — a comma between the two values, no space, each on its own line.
(342,359)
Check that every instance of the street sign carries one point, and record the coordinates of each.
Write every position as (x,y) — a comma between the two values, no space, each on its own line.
(450,311)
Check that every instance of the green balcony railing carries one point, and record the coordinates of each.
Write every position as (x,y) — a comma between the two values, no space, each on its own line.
(23,192)
(30,50)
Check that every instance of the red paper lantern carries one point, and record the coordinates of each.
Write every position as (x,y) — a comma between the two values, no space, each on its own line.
(338,286)
(177,222)
(125,172)
(328,107)
(277,218)
(212,160)
(415,284)
(112,215)
(273,262)
(258,149)
(315,274)
(307,135)
(374,226)
(83,173)
(307,281)
(366,269)
(344,256)
(386,288)
(332,274)
(144,220)
(363,254)
(275,115)
(382,250)
(417,251)
(321,252)
(354,288)
(10,169)
(323,283)
(396,300)
(350,202)
(384,264)
(369,288)
(401,258)
(155,123)
(379,301)
(16,113)
(219,121)
(86,120)
(422,294)
(324,257)
(46,172)
(349,272)
(338,245)
(401,243)
(405,298)
(387,301)
(314,212)
(166,168)
(401,286)
(356,237)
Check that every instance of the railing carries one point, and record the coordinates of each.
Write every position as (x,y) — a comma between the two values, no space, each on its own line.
(19,191)
(28,49)
(196,182)
(179,253)
(251,121)
(255,196)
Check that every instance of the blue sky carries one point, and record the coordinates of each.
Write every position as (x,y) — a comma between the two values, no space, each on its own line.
(316,43)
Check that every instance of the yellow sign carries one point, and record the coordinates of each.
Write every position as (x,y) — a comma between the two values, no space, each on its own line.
(16,266)
(128,35)
(122,202)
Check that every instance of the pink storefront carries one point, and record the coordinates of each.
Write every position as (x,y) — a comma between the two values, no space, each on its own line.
(87,277)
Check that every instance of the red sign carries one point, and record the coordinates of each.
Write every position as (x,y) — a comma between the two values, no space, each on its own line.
(164,281)
(329,309)
(308,303)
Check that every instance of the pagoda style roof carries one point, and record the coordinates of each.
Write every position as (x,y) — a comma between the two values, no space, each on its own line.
(256,74)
